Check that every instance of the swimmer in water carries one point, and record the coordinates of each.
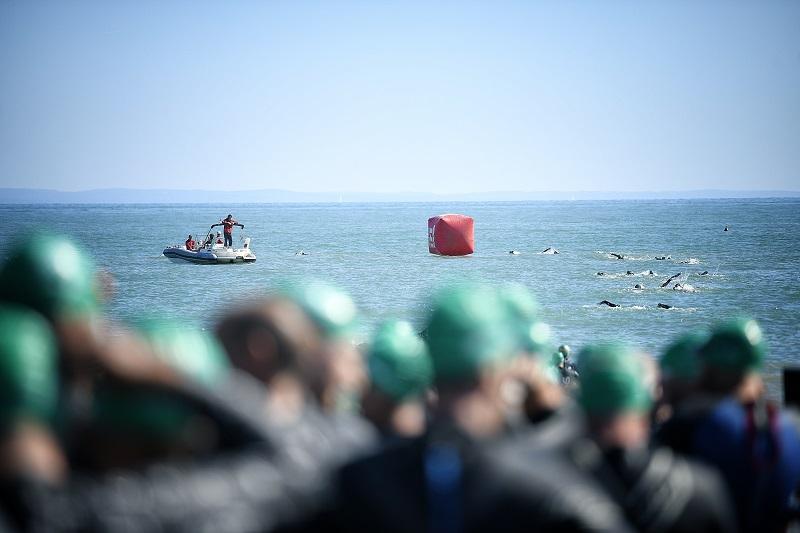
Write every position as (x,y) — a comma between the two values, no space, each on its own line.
(664,306)
(670,279)
(609,304)
(618,256)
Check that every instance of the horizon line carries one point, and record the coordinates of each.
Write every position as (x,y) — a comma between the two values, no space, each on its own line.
(401,192)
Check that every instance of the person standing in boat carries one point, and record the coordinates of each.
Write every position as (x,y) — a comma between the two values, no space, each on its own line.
(228,223)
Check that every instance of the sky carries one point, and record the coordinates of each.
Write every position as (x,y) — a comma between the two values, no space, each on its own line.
(383,96)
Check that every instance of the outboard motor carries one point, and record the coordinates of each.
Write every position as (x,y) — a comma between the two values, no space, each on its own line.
(247,242)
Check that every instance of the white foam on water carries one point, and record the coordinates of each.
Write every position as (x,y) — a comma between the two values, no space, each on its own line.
(685,287)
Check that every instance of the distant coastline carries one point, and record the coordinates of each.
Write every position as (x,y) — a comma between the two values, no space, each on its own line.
(177,196)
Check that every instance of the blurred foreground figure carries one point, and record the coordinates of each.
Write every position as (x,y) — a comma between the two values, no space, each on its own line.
(291,342)
(29,449)
(56,278)
(166,423)
(658,490)
(727,423)
(680,370)
(400,373)
(337,378)
(452,478)
(551,415)
(131,425)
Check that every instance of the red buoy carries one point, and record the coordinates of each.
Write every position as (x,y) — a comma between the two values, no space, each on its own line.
(451,235)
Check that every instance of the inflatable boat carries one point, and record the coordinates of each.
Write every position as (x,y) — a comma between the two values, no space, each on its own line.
(211,252)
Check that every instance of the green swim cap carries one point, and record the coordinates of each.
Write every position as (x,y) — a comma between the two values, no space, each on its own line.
(28,368)
(736,345)
(468,329)
(612,380)
(50,274)
(681,360)
(399,363)
(194,353)
(533,334)
(565,350)
(520,300)
(330,308)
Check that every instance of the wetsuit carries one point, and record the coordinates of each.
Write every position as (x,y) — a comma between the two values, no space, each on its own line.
(658,490)
(267,478)
(445,481)
(551,430)
(754,447)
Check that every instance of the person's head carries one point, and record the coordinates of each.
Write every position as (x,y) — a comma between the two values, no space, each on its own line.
(564,350)
(131,424)
(340,375)
(274,341)
(51,275)
(229,217)
(614,395)
(680,365)
(219,234)
(400,373)
(732,358)
(190,238)
(533,334)
(472,341)
(537,372)
(28,396)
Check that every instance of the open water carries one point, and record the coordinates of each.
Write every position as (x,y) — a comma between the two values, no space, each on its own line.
(378,252)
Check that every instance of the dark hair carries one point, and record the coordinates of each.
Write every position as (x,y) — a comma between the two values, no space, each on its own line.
(229,216)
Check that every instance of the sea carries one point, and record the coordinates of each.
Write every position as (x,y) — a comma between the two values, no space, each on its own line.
(378,252)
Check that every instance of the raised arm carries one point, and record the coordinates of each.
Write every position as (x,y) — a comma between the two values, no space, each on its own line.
(215,225)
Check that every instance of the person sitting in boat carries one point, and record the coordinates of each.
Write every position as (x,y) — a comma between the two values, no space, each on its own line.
(189,243)
(219,238)
(228,223)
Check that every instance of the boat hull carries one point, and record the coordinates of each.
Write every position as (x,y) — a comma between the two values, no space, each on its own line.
(206,257)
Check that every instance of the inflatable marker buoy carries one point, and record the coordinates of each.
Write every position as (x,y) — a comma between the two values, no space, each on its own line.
(451,235)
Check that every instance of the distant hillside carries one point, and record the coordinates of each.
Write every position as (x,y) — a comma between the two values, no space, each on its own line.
(177,196)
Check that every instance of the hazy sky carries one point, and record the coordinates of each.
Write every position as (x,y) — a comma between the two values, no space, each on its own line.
(400,96)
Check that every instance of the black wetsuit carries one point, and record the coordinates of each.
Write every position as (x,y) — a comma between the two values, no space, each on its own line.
(444,482)
(658,490)
(275,478)
(551,430)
